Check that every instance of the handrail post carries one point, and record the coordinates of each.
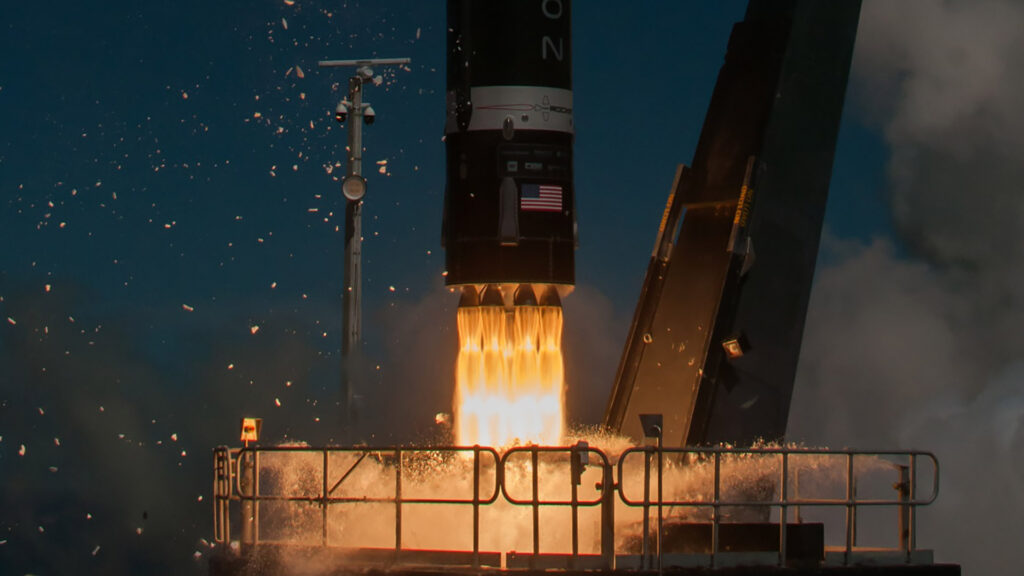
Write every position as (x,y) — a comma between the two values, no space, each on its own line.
(714,508)
(398,501)
(323,503)
(783,510)
(574,457)
(902,487)
(476,506)
(661,529)
(222,495)
(608,490)
(646,546)
(850,514)
(535,458)
(256,497)
(912,519)
(248,491)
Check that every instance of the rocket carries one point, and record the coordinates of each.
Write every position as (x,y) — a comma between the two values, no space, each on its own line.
(509,208)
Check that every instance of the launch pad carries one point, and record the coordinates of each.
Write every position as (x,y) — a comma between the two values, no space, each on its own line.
(709,362)
(283,510)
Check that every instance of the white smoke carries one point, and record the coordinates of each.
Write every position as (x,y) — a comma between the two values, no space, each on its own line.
(926,350)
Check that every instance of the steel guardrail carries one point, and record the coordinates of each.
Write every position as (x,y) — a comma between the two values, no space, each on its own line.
(230,484)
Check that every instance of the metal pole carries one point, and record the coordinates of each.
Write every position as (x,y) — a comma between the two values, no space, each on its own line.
(536,509)
(365,62)
(323,503)
(398,500)
(645,548)
(850,513)
(715,508)
(912,517)
(574,504)
(247,493)
(903,518)
(352,291)
(256,497)
(608,490)
(476,506)
(783,510)
(660,521)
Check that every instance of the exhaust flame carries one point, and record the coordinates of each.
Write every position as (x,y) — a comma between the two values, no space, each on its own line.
(509,376)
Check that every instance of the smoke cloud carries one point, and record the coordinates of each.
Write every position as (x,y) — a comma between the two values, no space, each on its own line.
(594,335)
(925,350)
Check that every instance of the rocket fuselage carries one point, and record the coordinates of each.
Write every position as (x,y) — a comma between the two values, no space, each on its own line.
(509,215)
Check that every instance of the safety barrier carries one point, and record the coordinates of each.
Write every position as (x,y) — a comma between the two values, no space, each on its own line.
(688,459)
(678,484)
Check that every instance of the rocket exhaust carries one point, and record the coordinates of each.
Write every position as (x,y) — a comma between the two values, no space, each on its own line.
(509,373)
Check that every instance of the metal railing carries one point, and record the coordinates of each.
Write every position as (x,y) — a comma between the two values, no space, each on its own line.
(238,472)
(906,502)
(687,481)
(579,458)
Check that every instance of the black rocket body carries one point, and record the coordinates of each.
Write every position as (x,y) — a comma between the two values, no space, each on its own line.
(509,214)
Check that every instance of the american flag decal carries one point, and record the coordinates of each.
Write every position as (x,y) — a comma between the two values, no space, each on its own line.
(541,198)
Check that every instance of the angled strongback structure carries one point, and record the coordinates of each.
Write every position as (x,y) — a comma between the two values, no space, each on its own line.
(716,336)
